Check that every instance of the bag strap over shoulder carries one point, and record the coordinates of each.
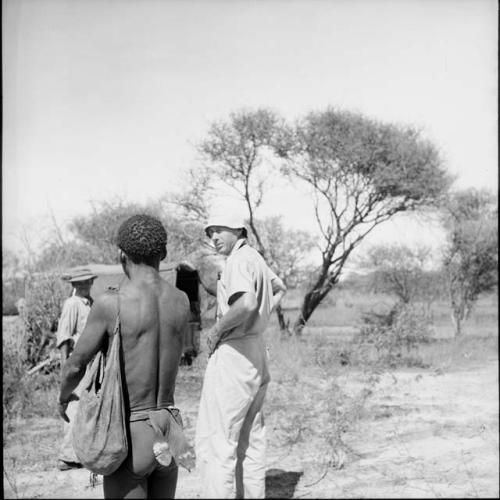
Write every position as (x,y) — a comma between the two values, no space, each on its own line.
(116,289)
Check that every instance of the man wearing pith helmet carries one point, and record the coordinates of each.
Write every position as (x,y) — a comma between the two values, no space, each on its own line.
(73,318)
(230,432)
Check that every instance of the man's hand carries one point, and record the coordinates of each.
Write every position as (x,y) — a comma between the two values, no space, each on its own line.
(62,407)
(213,337)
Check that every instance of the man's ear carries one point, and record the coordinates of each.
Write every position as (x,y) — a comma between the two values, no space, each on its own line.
(163,253)
(122,256)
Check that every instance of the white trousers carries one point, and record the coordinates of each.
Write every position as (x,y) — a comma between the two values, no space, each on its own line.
(230,433)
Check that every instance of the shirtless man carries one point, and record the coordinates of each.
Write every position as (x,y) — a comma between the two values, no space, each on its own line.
(154,318)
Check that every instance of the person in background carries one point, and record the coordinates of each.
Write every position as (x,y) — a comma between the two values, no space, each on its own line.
(71,324)
(230,433)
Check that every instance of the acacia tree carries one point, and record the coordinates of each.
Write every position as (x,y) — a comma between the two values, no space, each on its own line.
(286,248)
(400,270)
(471,258)
(99,228)
(237,152)
(360,173)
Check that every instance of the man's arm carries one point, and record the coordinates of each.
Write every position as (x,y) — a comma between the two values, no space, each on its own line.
(64,348)
(66,327)
(241,306)
(90,342)
(279,290)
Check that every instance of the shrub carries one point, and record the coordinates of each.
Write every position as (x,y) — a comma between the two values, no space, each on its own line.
(45,294)
(8,304)
(12,291)
(16,391)
(25,395)
(392,339)
(300,408)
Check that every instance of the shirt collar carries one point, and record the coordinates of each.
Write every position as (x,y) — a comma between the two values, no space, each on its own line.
(85,300)
(238,245)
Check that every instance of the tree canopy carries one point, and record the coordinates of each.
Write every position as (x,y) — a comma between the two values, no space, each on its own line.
(471,257)
(361,173)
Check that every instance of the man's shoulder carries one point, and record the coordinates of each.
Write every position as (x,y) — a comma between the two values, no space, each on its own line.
(74,301)
(246,254)
(107,299)
(173,294)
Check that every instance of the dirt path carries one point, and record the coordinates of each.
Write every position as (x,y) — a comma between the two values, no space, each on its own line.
(424,434)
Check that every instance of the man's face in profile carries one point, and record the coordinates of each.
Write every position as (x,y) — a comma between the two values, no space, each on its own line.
(223,238)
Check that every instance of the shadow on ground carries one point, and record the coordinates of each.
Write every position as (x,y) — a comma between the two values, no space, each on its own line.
(280,483)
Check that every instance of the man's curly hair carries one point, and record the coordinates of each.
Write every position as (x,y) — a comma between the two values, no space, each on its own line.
(142,238)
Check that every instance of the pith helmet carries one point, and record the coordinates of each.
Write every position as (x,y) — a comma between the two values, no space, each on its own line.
(230,220)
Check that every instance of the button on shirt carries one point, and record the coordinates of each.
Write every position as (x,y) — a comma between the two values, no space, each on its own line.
(246,271)
(73,319)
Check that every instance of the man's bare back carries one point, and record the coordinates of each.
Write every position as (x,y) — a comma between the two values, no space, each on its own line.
(154,318)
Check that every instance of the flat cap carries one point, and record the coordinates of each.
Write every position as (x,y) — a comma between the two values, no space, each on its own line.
(78,274)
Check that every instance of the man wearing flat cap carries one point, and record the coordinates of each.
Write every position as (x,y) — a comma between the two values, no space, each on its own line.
(230,432)
(73,318)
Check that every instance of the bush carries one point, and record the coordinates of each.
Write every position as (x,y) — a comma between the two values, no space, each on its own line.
(12,291)
(8,304)
(300,409)
(45,294)
(25,395)
(392,339)
(16,391)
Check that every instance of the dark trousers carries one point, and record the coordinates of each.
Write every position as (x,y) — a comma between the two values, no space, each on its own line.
(140,475)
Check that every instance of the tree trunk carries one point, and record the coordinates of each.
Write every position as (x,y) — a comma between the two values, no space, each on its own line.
(458,310)
(457,323)
(312,300)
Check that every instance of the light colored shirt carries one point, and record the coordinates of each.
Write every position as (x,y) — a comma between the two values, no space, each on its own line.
(73,319)
(246,271)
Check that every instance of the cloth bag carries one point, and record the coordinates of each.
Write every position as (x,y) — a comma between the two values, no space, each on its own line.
(99,431)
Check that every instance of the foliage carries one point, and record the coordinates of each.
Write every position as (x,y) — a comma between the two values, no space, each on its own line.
(392,340)
(12,282)
(471,258)
(57,255)
(24,395)
(12,291)
(401,270)
(239,154)
(234,152)
(14,357)
(286,249)
(361,173)
(94,235)
(193,200)
(307,398)
(99,229)
(45,294)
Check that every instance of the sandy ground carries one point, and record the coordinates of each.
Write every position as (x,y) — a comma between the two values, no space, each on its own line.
(424,434)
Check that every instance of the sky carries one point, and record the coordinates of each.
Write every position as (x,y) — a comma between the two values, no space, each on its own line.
(108,98)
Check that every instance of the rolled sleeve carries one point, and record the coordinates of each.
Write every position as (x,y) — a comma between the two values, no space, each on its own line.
(67,323)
